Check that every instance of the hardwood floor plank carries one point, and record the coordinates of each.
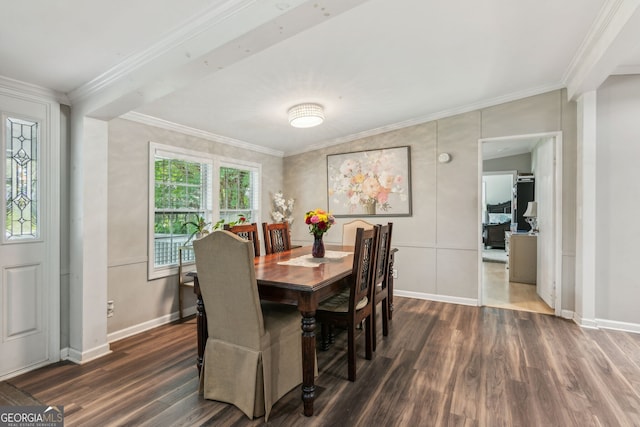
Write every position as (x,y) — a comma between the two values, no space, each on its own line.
(624,352)
(12,396)
(442,364)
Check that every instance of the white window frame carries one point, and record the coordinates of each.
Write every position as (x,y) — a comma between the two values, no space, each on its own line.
(254,168)
(213,201)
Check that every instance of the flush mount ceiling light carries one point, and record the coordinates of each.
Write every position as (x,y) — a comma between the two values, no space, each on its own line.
(306,115)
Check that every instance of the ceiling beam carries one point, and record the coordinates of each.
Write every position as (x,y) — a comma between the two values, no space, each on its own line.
(209,43)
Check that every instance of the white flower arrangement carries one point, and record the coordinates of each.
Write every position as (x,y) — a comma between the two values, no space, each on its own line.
(283,209)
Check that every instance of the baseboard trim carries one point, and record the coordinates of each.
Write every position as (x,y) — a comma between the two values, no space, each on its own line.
(150,324)
(585,323)
(439,298)
(81,357)
(618,326)
(567,314)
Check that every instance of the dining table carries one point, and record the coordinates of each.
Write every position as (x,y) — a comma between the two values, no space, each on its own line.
(293,277)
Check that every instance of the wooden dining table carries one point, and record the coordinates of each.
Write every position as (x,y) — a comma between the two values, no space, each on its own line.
(302,286)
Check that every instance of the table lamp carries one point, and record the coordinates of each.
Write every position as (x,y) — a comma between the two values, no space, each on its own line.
(531,215)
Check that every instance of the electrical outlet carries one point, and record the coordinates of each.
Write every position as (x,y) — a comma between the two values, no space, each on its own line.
(110,308)
(395,273)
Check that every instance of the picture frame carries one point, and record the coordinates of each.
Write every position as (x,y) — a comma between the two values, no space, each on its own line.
(370,183)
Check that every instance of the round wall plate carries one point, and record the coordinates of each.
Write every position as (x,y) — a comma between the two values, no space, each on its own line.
(444,158)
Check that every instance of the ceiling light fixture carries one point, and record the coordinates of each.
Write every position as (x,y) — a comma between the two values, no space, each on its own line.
(306,115)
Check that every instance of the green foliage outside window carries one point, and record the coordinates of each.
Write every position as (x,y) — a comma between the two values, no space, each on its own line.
(181,208)
(236,192)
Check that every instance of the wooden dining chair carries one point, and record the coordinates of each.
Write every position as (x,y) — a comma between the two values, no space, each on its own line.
(252,354)
(381,286)
(355,304)
(349,230)
(184,280)
(247,232)
(276,237)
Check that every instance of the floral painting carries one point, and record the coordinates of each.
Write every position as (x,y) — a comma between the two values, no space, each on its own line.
(366,183)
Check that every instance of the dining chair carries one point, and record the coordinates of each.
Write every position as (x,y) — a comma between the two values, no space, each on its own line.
(252,354)
(247,232)
(349,230)
(354,305)
(381,286)
(276,237)
(184,280)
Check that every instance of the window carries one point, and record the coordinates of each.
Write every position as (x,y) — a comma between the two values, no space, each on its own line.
(238,194)
(21,180)
(185,186)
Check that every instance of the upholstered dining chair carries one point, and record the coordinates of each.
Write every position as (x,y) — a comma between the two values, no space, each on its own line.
(247,232)
(276,237)
(381,281)
(354,305)
(349,230)
(252,355)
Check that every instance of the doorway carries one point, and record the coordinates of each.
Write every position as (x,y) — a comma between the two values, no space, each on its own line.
(537,157)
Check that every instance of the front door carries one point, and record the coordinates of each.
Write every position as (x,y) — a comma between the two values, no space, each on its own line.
(29,240)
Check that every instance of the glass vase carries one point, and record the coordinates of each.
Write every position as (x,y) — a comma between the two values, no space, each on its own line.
(318,246)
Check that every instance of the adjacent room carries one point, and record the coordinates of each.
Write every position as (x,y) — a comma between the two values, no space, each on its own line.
(340,212)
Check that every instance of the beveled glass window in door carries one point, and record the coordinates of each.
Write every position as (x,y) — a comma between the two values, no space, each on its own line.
(21,179)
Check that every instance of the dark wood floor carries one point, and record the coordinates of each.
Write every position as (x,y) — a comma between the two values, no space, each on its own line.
(442,364)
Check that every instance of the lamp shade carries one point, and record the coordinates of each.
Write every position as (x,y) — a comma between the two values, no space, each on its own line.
(306,115)
(532,210)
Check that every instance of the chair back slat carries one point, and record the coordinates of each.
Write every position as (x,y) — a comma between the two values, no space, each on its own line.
(382,257)
(276,237)
(364,259)
(247,232)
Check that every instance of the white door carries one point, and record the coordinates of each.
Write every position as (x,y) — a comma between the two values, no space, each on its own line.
(29,240)
(545,196)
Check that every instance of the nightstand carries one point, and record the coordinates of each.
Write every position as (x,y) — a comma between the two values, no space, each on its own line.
(523,257)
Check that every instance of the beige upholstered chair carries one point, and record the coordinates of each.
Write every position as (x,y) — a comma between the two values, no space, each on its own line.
(351,307)
(349,230)
(253,353)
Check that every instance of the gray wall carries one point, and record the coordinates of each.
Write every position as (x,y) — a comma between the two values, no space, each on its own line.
(520,163)
(618,199)
(136,299)
(498,188)
(438,244)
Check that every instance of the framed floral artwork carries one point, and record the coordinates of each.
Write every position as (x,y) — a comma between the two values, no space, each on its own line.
(370,183)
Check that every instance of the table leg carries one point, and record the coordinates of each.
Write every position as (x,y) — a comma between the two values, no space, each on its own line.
(308,361)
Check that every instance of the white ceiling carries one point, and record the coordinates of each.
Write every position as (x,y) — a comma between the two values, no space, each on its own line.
(230,69)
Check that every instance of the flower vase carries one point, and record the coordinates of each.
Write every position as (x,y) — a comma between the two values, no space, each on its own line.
(318,246)
(370,208)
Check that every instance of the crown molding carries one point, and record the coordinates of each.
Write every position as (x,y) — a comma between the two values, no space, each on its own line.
(187,30)
(186,130)
(430,117)
(27,89)
(592,39)
(627,69)
(597,56)
(164,124)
